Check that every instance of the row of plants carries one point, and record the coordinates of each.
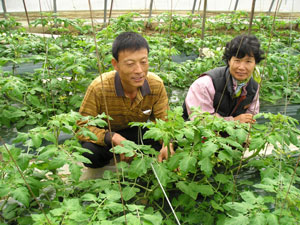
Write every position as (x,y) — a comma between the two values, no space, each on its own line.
(216,182)
(68,62)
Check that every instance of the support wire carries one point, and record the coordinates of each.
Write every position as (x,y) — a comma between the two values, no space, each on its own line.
(106,109)
(163,190)
(140,138)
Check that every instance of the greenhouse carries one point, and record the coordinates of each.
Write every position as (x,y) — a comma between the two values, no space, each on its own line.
(150,112)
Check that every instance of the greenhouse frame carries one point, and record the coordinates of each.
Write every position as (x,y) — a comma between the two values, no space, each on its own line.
(228,147)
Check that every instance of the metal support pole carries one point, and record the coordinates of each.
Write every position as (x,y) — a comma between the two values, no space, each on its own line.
(4,8)
(110,11)
(105,11)
(150,11)
(54,6)
(271,6)
(194,6)
(252,15)
(199,6)
(26,14)
(204,19)
(150,14)
(236,5)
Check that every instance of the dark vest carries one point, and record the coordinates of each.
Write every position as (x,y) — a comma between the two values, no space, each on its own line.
(229,105)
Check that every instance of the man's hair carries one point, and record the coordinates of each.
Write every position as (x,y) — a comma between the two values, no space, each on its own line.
(128,41)
(243,45)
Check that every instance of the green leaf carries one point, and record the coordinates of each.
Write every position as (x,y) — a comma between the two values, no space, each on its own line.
(258,219)
(185,188)
(134,208)
(139,167)
(57,212)
(36,140)
(123,150)
(155,219)
(75,172)
(80,158)
(271,219)
(153,133)
(14,152)
(230,130)
(72,204)
(208,149)
(272,139)
(112,195)
(216,206)
(16,114)
(49,151)
(286,139)
(224,156)
(97,122)
(294,139)
(89,197)
(206,166)
(240,219)
(162,172)
(23,161)
(21,194)
(49,136)
(22,137)
(4,190)
(241,207)
(10,210)
(188,164)
(248,197)
(113,207)
(76,100)
(241,135)
(34,100)
(173,162)
(79,217)
(90,134)
(205,190)
(129,192)
(256,143)
(265,187)
(55,163)
(222,178)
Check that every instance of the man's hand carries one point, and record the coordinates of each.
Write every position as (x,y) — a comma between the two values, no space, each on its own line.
(164,152)
(116,140)
(245,118)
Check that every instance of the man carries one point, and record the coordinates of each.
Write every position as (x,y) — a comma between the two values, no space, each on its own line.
(232,91)
(132,94)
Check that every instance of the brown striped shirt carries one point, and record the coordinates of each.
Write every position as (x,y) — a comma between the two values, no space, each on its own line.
(151,103)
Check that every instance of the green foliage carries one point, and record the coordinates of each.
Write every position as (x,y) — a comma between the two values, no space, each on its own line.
(67,63)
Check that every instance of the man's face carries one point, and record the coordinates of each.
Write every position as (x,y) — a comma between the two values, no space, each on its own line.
(132,67)
(241,69)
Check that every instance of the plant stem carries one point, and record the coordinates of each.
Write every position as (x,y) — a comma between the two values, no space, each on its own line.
(22,175)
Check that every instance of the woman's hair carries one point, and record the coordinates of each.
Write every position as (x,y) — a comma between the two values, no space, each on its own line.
(243,45)
(128,41)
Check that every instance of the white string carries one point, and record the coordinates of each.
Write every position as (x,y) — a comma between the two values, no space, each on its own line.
(162,188)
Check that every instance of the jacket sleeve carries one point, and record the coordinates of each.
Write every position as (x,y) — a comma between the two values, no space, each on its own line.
(201,94)
(91,107)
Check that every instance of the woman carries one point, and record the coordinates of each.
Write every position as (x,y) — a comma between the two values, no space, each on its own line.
(232,91)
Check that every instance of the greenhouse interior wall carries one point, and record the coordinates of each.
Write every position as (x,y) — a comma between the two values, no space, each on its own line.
(213,171)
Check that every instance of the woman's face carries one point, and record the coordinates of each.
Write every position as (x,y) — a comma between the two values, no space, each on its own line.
(241,68)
